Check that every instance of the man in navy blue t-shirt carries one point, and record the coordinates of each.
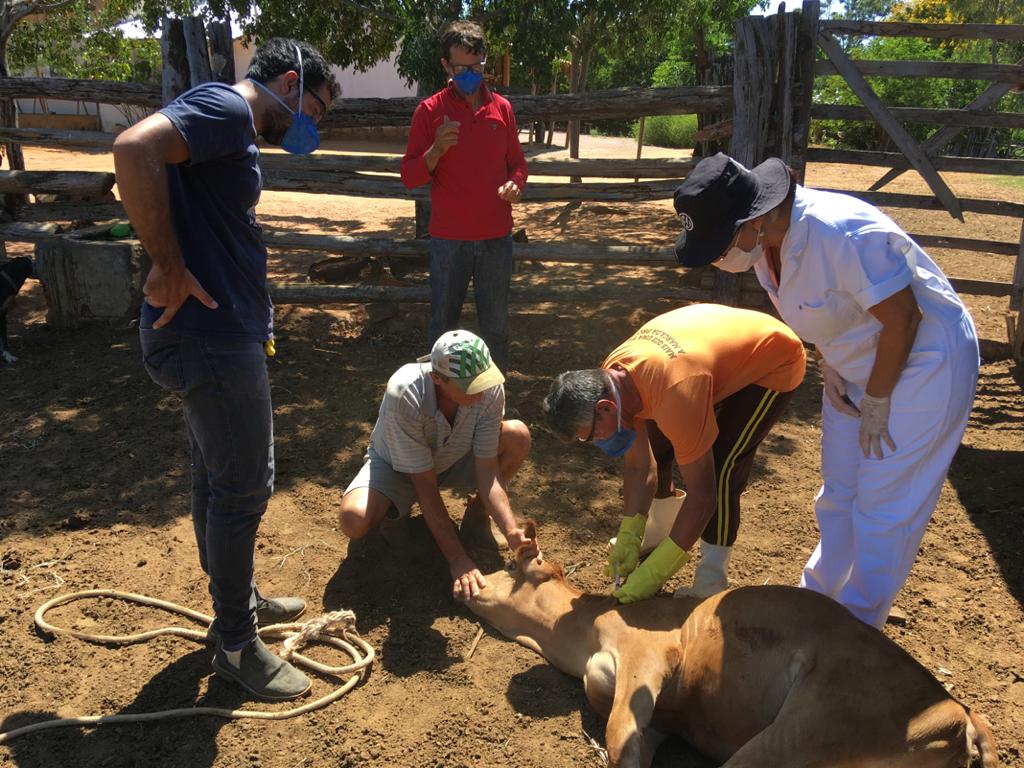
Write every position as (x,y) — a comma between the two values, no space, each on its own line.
(189,179)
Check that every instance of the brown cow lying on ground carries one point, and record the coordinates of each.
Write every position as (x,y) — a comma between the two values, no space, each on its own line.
(756,677)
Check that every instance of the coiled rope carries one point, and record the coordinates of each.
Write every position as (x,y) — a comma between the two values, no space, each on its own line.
(336,628)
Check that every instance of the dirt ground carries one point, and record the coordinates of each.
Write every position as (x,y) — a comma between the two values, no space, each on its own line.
(94,493)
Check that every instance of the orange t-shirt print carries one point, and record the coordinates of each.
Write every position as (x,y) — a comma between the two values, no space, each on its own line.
(686,361)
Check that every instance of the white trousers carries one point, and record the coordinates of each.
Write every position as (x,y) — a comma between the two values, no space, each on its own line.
(872,513)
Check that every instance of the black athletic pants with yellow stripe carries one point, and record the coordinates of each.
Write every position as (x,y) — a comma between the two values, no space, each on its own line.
(744,420)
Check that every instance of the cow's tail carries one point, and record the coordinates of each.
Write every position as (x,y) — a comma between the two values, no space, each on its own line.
(981,746)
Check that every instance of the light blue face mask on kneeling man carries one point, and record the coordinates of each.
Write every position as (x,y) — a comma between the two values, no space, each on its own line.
(301,138)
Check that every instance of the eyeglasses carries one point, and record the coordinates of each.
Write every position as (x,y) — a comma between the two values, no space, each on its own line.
(458,69)
(593,426)
(321,102)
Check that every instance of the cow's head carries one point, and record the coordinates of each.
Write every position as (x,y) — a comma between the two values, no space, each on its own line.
(525,593)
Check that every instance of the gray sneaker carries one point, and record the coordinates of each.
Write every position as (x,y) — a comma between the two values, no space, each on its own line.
(263,674)
(278,610)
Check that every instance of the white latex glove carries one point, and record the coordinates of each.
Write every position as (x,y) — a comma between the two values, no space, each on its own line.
(874,426)
(835,390)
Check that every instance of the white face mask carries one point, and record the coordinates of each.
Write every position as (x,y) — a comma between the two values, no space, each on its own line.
(737,260)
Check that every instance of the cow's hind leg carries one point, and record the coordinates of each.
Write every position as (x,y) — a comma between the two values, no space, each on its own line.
(772,747)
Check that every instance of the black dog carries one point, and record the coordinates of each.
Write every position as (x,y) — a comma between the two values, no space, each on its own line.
(13,274)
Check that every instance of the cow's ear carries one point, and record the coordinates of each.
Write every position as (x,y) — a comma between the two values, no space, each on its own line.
(528,551)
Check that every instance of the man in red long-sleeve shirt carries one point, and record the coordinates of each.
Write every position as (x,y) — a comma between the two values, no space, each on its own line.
(464,142)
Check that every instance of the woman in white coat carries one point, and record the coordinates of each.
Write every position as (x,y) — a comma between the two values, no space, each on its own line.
(897,350)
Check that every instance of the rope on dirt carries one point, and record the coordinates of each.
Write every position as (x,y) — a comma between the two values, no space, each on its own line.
(336,628)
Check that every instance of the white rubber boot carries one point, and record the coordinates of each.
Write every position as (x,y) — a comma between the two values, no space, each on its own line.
(660,519)
(710,578)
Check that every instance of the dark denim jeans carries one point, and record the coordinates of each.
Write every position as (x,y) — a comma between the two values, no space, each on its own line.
(225,395)
(489,264)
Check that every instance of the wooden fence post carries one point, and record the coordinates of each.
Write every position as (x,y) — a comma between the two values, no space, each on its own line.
(197,51)
(753,95)
(1015,325)
(806,48)
(222,52)
(174,76)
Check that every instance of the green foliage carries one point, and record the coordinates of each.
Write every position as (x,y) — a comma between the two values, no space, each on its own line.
(669,131)
(73,43)
(672,72)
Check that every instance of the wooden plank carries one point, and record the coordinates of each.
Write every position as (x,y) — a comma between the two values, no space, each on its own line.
(955,70)
(591,105)
(927,202)
(103,91)
(913,29)
(70,212)
(314,293)
(965,244)
(986,99)
(23,232)
(49,137)
(197,50)
(650,168)
(896,160)
(957,117)
(896,131)
(357,113)
(979,287)
(357,185)
(345,244)
(415,249)
(86,183)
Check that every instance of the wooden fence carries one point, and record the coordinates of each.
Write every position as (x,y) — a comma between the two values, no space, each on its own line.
(775,64)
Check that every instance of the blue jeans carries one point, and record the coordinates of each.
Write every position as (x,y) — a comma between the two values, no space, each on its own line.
(225,394)
(489,264)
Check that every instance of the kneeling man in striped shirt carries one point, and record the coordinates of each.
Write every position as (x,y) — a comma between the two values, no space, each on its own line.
(440,426)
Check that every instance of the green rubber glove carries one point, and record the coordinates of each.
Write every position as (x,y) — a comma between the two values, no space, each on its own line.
(626,552)
(660,565)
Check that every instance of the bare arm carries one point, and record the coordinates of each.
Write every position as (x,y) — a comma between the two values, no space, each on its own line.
(495,499)
(467,579)
(141,155)
(639,475)
(699,506)
(899,316)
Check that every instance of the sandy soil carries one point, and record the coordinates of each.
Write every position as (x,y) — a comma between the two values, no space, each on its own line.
(95,494)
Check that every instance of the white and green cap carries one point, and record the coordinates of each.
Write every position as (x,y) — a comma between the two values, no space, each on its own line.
(463,358)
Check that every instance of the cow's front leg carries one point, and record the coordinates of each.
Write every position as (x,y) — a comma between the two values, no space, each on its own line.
(630,741)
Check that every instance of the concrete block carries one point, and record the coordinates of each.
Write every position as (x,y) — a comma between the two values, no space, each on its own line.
(88,280)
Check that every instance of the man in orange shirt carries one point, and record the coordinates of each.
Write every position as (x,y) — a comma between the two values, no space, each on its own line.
(702,385)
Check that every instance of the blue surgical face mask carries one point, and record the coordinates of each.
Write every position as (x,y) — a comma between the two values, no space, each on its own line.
(301,138)
(620,442)
(468,81)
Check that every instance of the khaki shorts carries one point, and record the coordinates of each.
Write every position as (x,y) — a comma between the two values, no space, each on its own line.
(396,486)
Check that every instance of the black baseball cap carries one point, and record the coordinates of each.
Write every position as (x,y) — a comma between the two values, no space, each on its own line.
(718,197)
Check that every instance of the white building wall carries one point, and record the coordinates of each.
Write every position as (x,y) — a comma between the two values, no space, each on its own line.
(380,81)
